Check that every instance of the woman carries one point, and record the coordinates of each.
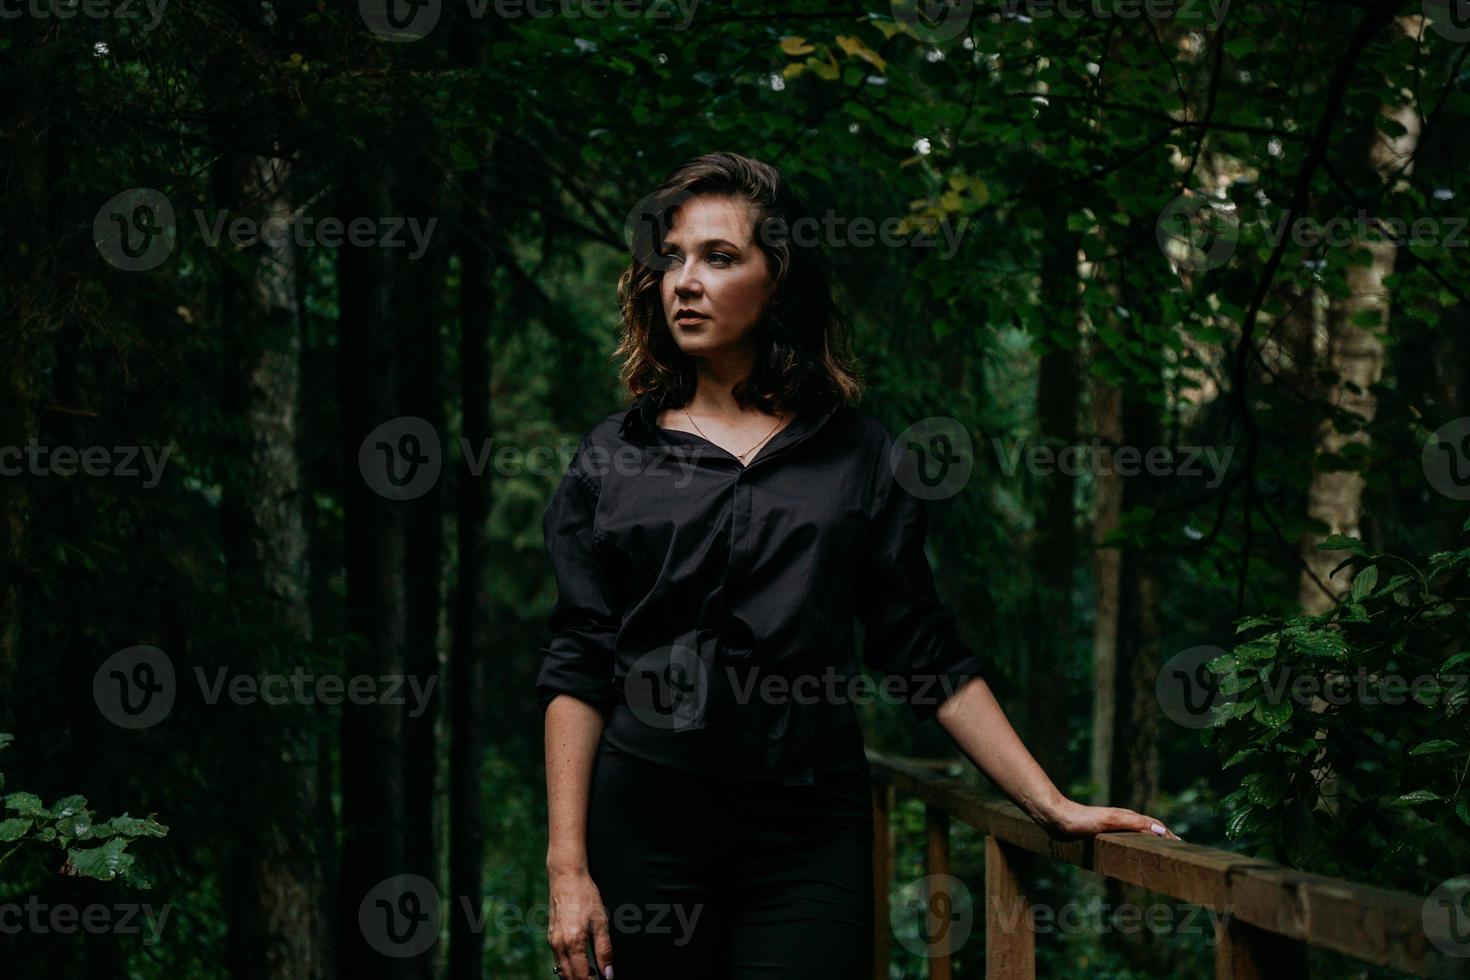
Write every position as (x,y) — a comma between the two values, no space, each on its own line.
(709,805)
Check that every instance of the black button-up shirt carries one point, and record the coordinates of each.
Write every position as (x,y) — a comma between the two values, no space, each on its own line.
(709,605)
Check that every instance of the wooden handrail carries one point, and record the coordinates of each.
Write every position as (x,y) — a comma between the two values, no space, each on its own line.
(1274,911)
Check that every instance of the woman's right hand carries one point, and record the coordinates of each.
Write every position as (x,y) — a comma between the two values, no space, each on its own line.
(576,913)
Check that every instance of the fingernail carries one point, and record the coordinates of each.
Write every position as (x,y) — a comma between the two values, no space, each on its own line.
(1157,828)
(607,971)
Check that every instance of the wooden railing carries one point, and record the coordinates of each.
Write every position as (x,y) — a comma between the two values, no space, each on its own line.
(1268,914)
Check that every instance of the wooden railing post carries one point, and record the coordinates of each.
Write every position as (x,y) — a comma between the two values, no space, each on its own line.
(882,876)
(936,862)
(1245,952)
(1010,942)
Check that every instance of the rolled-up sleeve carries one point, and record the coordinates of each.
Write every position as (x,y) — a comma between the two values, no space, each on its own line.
(908,633)
(578,658)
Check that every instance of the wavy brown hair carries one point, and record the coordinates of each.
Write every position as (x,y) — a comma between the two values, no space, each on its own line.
(803,341)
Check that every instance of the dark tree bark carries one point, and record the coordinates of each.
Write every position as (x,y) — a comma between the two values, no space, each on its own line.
(373,825)
(1054,547)
(471,622)
(417,318)
(277,926)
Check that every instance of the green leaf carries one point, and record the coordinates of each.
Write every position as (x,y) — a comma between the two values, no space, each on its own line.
(1341,542)
(1240,756)
(26,804)
(1434,746)
(68,806)
(1272,715)
(15,828)
(1245,821)
(1266,788)
(1364,581)
(103,863)
(1454,661)
(1417,796)
(1252,621)
(1322,644)
(1299,744)
(1231,711)
(134,827)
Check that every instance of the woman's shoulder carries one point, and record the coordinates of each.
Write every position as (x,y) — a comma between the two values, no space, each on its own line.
(865,426)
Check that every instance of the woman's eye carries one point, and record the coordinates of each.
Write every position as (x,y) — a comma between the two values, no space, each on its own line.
(720,259)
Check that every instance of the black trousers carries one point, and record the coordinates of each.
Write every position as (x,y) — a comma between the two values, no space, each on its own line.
(711,879)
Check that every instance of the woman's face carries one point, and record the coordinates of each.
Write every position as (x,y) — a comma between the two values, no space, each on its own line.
(717,283)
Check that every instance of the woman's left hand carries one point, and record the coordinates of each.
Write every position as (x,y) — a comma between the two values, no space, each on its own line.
(1073,820)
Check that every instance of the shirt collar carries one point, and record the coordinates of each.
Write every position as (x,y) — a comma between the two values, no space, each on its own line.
(645,408)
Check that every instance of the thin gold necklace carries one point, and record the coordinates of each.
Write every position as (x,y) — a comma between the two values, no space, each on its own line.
(739,456)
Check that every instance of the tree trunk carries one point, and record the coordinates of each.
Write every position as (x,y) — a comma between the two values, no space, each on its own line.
(1353,351)
(373,826)
(278,930)
(1107,568)
(419,283)
(1054,555)
(469,654)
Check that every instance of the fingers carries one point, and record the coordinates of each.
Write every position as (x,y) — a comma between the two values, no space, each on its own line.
(602,946)
(569,951)
(577,967)
(1153,826)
